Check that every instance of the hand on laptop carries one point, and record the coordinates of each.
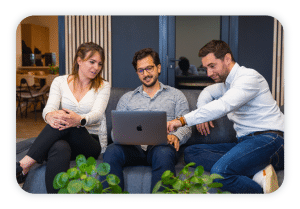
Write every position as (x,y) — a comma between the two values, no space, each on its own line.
(172,139)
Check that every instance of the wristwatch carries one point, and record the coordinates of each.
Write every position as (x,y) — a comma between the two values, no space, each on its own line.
(82,122)
(181,119)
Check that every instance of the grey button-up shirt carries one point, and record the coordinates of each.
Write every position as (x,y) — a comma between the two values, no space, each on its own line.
(166,99)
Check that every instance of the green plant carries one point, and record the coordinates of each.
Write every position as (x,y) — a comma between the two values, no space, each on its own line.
(83,179)
(188,182)
(53,69)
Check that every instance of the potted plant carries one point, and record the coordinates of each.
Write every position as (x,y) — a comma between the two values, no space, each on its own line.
(53,73)
(83,178)
(188,182)
(53,69)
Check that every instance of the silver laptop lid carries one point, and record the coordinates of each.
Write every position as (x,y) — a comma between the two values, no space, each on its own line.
(139,127)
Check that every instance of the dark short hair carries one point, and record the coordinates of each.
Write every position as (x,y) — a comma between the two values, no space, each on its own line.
(218,48)
(184,64)
(145,53)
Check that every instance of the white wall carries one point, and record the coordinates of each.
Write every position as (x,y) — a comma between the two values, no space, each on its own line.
(192,33)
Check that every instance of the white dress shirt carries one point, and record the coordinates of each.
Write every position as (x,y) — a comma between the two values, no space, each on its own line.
(245,98)
(92,106)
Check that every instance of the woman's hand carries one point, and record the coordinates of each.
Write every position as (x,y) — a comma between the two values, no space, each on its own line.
(56,119)
(63,119)
(72,118)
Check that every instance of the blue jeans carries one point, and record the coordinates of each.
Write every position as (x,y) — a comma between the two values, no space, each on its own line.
(239,162)
(161,158)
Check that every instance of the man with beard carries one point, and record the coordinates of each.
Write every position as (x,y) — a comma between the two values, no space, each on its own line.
(150,96)
(244,96)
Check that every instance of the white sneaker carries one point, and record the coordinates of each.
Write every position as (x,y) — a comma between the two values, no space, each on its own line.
(267,179)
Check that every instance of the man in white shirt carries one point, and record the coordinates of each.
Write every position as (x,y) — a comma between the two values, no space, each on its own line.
(244,96)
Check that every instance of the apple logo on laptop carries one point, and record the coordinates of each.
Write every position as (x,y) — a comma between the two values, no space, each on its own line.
(139,128)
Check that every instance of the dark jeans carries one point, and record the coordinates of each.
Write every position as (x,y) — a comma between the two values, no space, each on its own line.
(239,162)
(161,158)
(58,148)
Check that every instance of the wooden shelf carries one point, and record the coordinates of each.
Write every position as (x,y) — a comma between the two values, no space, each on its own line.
(33,68)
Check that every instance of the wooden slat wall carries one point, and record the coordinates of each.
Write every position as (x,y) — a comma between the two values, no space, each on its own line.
(278,63)
(81,29)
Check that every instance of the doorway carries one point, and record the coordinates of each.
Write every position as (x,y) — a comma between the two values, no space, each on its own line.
(185,36)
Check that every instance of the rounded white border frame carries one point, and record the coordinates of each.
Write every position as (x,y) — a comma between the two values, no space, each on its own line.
(199,11)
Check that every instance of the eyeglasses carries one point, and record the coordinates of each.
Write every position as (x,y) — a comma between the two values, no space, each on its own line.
(149,69)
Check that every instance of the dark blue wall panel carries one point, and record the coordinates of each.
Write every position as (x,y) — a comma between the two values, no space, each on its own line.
(130,34)
(256,44)
(61,45)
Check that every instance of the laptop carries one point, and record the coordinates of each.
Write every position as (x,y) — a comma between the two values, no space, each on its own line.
(139,127)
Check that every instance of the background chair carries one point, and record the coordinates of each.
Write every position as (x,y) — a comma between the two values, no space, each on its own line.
(26,95)
(37,81)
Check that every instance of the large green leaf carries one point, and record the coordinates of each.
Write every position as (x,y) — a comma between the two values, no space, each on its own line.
(112,179)
(98,187)
(195,179)
(206,179)
(60,180)
(64,179)
(216,176)
(190,164)
(169,180)
(157,186)
(103,169)
(184,171)
(89,184)
(199,171)
(91,161)
(83,167)
(63,191)
(74,186)
(179,184)
(167,174)
(115,189)
(56,185)
(80,159)
(197,189)
(215,185)
(91,169)
(73,173)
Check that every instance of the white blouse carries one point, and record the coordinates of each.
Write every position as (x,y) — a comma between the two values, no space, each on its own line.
(92,106)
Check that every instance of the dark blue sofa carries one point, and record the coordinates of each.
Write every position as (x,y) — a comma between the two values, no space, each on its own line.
(137,178)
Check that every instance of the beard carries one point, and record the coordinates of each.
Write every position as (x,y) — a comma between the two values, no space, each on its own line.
(221,78)
(155,78)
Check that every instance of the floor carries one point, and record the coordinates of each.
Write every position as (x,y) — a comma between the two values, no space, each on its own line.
(29,127)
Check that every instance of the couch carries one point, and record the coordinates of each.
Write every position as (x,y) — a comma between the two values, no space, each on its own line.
(137,178)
